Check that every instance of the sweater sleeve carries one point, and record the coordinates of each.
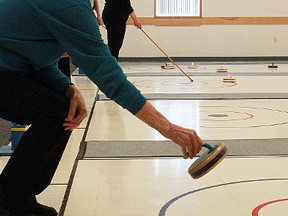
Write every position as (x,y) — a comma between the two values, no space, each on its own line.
(77,31)
(52,78)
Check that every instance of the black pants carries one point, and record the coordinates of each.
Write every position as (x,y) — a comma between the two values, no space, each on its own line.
(116,28)
(33,163)
(64,65)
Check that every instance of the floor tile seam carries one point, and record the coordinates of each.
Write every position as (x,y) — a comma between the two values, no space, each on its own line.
(75,165)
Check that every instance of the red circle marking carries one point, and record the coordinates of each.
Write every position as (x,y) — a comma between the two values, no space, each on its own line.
(258,208)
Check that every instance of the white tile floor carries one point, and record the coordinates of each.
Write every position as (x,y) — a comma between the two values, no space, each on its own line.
(238,186)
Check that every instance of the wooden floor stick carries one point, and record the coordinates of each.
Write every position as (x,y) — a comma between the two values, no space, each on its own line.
(167,55)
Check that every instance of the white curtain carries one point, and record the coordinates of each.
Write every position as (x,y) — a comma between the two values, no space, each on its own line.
(177,8)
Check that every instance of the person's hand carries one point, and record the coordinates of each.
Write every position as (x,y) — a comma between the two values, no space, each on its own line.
(77,108)
(137,23)
(187,139)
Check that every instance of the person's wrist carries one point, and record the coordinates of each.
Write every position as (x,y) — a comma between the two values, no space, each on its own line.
(66,88)
(168,131)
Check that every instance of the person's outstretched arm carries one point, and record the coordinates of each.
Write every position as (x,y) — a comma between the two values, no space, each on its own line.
(188,139)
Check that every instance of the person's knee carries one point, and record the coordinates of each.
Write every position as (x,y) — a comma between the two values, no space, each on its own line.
(54,113)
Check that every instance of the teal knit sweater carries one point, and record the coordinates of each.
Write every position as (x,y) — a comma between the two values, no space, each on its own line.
(35,33)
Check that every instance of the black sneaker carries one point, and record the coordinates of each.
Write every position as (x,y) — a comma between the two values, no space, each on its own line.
(41,210)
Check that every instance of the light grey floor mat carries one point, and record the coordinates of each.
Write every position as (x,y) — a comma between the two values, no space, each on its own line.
(240,147)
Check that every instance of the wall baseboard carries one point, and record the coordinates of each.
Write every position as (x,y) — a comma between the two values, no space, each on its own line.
(268,59)
(211,21)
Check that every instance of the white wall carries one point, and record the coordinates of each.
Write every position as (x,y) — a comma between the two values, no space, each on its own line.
(211,40)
